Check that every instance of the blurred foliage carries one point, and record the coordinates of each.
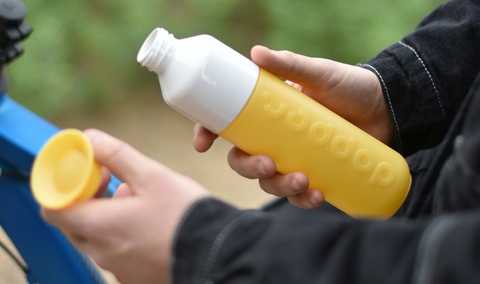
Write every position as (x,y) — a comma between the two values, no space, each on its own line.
(82,54)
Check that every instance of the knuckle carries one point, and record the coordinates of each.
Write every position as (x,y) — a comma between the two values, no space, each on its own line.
(99,258)
(113,150)
(280,188)
(152,175)
(273,185)
(92,227)
(92,231)
(239,163)
(293,62)
(297,201)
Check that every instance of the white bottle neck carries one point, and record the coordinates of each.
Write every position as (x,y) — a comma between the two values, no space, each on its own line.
(155,49)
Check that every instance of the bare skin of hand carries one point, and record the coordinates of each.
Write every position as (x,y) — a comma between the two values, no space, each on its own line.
(350,91)
(130,234)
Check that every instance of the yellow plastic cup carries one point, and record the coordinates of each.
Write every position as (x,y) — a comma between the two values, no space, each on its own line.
(65,170)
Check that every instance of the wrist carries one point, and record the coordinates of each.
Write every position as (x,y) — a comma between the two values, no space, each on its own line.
(382,126)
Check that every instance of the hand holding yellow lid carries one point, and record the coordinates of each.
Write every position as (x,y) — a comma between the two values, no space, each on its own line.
(65,170)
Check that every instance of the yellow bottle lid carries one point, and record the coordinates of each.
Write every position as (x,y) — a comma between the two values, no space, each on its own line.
(65,170)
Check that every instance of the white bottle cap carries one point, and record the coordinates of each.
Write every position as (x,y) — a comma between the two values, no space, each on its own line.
(200,76)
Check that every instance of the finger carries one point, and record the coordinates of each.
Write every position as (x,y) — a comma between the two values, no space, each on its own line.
(285,185)
(79,240)
(202,138)
(79,217)
(123,160)
(94,219)
(255,166)
(123,190)
(104,183)
(288,65)
(94,249)
(309,199)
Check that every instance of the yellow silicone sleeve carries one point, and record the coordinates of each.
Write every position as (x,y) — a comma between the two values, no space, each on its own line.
(356,173)
(65,170)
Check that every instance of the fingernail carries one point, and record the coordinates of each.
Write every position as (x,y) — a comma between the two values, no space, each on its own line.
(317,198)
(295,185)
(261,169)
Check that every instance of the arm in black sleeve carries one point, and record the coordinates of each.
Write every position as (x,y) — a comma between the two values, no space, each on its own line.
(457,187)
(426,76)
(217,243)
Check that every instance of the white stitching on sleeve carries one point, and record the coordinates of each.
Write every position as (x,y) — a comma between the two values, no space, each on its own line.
(389,103)
(431,79)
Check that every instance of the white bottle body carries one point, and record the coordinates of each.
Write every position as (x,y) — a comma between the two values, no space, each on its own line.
(201,77)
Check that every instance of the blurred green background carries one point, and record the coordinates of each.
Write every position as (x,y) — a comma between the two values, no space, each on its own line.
(82,54)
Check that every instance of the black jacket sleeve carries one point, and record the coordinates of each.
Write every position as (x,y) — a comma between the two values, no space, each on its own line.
(219,244)
(426,76)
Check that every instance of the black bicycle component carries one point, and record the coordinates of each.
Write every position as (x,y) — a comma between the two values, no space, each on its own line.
(13,29)
(3,84)
(14,174)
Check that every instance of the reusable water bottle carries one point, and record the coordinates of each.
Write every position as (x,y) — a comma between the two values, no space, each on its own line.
(228,94)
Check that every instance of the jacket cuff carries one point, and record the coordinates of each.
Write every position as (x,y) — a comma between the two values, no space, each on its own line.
(412,97)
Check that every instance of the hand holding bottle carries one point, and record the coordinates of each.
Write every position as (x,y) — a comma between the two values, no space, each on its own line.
(256,111)
(352,92)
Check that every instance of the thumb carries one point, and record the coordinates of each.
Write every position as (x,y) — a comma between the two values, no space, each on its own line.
(294,67)
(121,159)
